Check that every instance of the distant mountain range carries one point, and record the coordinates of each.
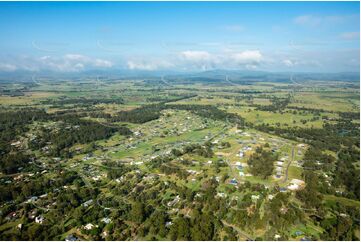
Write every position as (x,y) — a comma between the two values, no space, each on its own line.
(213,74)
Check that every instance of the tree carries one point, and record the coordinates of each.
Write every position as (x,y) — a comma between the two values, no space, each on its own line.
(137,213)
(261,163)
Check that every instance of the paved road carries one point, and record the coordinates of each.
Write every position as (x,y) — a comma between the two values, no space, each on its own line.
(289,163)
(238,230)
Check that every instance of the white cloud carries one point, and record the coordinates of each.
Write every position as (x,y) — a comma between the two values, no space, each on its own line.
(315,20)
(307,20)
(247,56)
(289,63)
(196,56)
(72,62)
(350,35)
(7,67)
(65,63)
(234,28)
(148,65)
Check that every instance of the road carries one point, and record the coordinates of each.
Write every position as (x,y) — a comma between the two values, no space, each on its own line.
(244,234)
(289,163)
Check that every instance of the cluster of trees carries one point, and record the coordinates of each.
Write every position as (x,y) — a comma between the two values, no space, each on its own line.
(81,131)
(346,173)
(11,162)
(310,195)
(261,162)
(212,112)
(151,112)
(202,150)
(116,170)
(165,99)
(200,227)
(139,115)
(339,226)
(39,186)
(278,104)
(168,169)
(12,124)
(82,101)
(330,137)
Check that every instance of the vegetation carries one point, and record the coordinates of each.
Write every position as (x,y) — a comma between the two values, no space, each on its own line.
(262,159)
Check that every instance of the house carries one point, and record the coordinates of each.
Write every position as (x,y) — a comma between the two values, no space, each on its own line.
(15,143)
(255,197)
(87,203)
(279,163)
(32,199)
(296,184)
(233,181)
(106,220)
(283,189)
(171,203)
(39,219)
(221,194)
(89,226)
(71,237)
(44,195)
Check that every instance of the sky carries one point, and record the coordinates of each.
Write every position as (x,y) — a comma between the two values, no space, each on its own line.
(181,36)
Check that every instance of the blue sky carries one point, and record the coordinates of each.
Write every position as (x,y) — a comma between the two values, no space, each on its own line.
(189,36)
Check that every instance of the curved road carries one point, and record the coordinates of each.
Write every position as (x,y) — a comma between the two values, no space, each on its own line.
(289,163)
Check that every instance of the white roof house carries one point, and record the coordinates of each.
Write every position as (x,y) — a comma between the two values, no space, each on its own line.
(39,219)
(89,226)
(106,220)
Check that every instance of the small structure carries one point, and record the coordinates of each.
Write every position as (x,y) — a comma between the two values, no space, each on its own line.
(277,236)
(283,189)
(32,199)
(233,182)
(39,219)
(87,203)
(254,198)
(89,226)
(296,184)
(71,237)
(106,220)
(221,194)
